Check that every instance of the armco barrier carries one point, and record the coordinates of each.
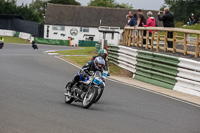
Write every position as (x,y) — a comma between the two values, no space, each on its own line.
(162,70)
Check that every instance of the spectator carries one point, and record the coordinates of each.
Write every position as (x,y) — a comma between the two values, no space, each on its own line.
(168,21)
(151,22)
(141,19)
(192,19)
(133,22)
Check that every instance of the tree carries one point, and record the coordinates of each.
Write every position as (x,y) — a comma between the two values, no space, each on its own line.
(66,2)
(38,6)
(109,3)
(182,9)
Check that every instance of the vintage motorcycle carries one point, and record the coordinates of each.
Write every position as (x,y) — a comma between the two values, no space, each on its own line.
(87,91)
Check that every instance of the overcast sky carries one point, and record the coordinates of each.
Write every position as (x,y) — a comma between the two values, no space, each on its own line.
(137,4)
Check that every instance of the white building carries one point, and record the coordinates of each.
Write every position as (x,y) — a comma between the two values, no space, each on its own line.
(82,23)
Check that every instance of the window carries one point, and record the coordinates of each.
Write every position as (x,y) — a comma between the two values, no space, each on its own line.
(84,29)
(61,28)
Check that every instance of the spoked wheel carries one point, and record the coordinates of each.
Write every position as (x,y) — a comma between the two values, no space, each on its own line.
(100,92)
(68,98)
(90,97)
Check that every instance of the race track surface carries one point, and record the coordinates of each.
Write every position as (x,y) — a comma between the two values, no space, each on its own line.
(32,100)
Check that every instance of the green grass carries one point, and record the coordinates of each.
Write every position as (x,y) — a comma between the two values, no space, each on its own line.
(8,39)
(84,51)
(79,60)
(82,60)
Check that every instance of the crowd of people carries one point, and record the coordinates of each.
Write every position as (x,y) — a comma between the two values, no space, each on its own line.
(139,20)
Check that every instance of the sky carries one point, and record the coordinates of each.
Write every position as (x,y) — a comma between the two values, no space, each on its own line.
(137,4)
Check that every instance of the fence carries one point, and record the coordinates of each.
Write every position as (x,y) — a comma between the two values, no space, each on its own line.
(179,36)
(162,70)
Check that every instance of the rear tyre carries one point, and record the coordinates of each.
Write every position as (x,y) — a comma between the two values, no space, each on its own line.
(90,97)
(68,99)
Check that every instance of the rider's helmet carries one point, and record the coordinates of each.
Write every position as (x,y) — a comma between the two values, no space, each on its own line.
(103,53)
(99,62)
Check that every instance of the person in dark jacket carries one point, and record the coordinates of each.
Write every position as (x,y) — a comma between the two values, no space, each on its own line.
(141,19)
(92,66)
(168,21)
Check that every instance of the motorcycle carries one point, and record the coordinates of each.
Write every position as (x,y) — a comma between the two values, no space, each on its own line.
(85,91)
(1,45)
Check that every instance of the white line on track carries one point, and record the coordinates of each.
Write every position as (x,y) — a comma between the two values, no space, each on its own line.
(174,98)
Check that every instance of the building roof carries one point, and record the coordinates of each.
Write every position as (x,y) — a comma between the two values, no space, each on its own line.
(71,15)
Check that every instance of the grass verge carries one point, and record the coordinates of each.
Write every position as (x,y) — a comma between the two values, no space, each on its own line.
(9,39)
(90,51)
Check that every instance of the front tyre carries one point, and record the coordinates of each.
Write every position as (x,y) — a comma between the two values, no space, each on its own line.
(100,92)
(68,99)
(90,97)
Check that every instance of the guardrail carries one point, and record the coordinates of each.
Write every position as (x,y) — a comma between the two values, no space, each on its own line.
(162,70)
(129,36)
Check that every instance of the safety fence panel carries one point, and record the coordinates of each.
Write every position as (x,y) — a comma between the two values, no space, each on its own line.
(84,43)
(7,33)
(158,69)
(51,41)
(25,36)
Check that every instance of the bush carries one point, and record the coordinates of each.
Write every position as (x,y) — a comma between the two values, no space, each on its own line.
(179,24)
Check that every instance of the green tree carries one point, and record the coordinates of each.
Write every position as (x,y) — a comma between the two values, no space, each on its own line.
(38,6)
(66,2)
(109,3)
(182,9)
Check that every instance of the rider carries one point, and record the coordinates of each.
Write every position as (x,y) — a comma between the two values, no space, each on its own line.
(102,53)
(91,66)
(1,42)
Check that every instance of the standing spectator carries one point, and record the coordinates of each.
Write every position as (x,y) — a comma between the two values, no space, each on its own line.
(168,21)
(133,22)
(141,19)
(192,19)
(151,22)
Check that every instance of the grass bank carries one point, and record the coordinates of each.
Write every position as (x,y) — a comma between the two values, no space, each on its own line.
(9,39)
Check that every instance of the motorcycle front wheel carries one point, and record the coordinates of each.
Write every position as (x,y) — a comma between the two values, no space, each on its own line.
(90,97)
(100,92)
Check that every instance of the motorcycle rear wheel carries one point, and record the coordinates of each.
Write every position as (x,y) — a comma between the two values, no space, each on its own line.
(68,98)
(90,97)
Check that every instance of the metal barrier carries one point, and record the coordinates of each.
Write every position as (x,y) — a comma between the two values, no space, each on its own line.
(161,35)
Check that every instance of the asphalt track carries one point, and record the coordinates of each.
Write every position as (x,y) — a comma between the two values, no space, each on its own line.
(32,101)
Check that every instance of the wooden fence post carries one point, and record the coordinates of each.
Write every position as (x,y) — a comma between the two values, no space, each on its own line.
(129,37)
(197,47)
(165,45)
(142,37)
(152,39)
(133,38)
(158,41)
(147,39)
(174,42)
(185,43)
(138,38)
